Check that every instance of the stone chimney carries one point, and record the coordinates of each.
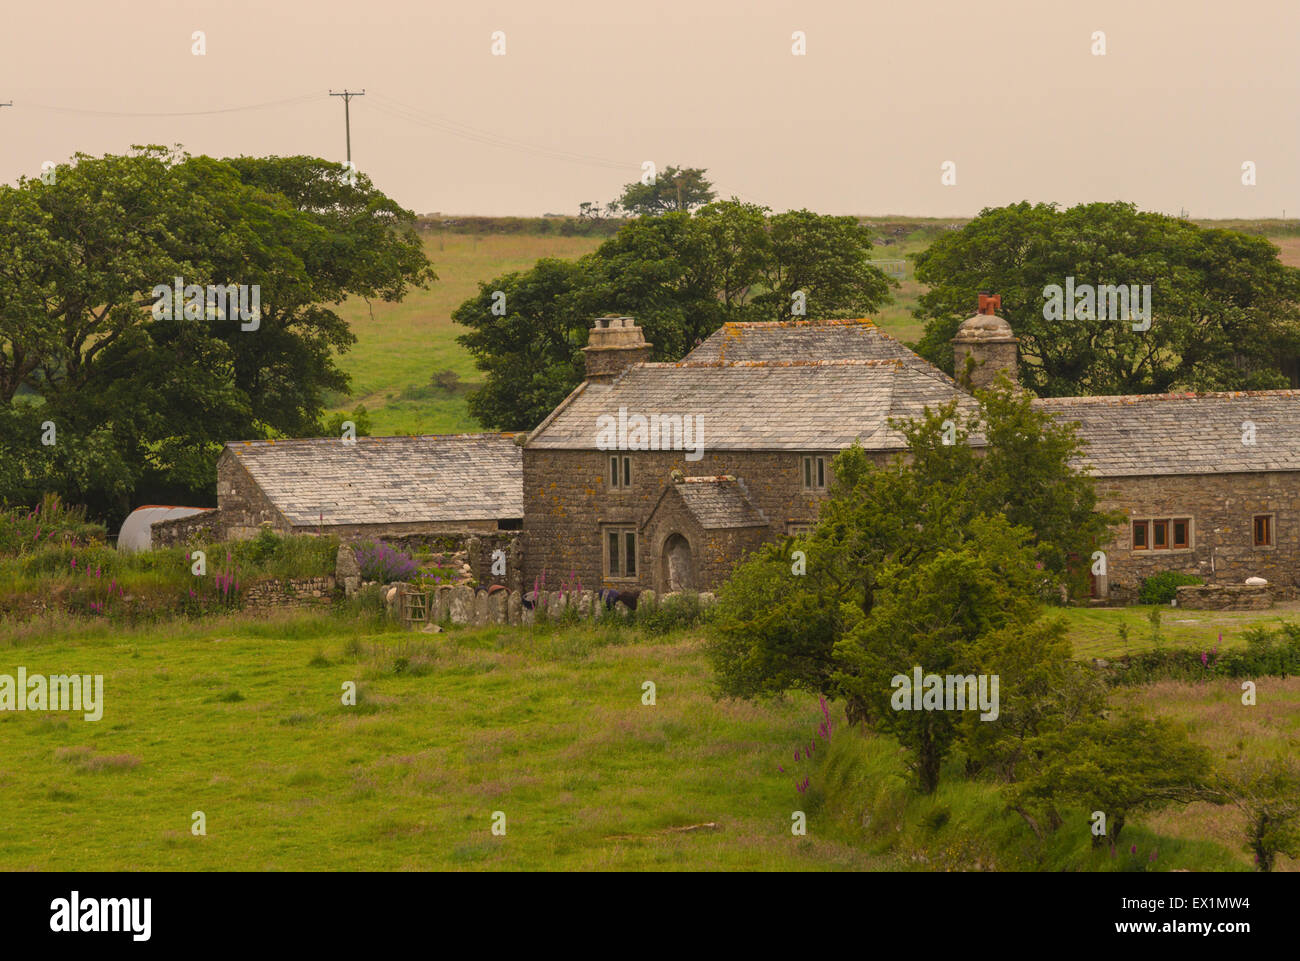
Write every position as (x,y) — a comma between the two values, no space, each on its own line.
(987,340)
(613,345)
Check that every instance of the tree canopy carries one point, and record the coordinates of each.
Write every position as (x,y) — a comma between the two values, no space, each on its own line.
(141,402)
(681,275)
(672,189)
(1224,311)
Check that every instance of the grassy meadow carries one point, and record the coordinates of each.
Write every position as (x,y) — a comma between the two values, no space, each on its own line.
(243,720)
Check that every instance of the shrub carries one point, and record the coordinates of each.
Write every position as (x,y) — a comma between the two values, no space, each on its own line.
(385,564)
(671,614)
(1163,587)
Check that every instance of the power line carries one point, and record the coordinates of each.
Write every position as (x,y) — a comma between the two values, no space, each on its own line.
(171,113)
(421,117)
(347,96)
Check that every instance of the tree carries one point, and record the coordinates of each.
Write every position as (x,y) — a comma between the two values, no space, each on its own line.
(1120,767)
(932,615)
(680,275)
(1223,309)
(1026,471)
(143,402)
(673,189)
(1268,795)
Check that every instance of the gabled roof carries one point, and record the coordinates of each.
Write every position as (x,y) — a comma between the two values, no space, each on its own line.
(760,405)
(388,480)
(804,340)
(1162,434)
(719,502)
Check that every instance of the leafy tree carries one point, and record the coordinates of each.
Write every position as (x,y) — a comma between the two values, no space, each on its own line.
(680,275)
(674,189)
(932,614)
(360,418)
(1121,767)
(1224,309)
(1268,795)
(143,403)
(532,354)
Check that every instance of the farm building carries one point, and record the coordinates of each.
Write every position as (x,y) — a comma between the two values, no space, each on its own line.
(1209,484)
(373,487)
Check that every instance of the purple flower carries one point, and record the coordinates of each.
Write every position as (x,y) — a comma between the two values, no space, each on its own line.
(1205,658)
(1133,849)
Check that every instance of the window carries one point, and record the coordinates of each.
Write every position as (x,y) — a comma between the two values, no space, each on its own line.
(798,528)
(1182,533)
(1263,530)
(1160,535)
(620,471)
(814,473)
(1140,539)
(620,552)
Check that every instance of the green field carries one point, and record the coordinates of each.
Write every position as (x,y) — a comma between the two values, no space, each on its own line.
(243,720)
(401,346)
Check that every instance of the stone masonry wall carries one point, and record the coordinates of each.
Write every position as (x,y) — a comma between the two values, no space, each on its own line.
(567,498)
(1222,508)
(180,530)
(303,592)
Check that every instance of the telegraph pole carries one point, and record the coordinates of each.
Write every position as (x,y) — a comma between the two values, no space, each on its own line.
(347,96)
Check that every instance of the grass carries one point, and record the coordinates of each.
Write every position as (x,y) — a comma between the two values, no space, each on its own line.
(243,720)
(1094,632)
(399,346)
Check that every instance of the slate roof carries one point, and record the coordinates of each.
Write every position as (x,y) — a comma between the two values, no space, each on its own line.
(804,340)
(760,405)
(388,480)
(1164,434)
(719,502)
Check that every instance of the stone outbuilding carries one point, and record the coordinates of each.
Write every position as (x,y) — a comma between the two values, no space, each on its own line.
(372,487)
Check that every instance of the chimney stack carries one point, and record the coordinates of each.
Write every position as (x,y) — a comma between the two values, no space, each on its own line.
(987,340)
(613,344)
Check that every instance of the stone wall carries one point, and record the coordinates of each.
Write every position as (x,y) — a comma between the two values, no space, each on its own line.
(567,498)
(296,593)
(463,606)
(1222,508)
(1221,597)
(205,527)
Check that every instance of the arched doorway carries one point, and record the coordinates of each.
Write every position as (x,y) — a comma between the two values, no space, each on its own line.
(678,571)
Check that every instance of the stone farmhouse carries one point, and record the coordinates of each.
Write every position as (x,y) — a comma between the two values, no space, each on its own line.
(662,475)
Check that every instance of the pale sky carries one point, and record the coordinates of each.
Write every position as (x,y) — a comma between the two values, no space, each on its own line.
(1009,90)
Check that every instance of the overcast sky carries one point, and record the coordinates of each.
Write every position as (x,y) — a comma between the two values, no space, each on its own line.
(587,90)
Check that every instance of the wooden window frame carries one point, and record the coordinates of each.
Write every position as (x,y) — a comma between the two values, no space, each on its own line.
(1146,535)
(1186,544)
(798,528)
(1160,532)
(1270,520)
(1169,524)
